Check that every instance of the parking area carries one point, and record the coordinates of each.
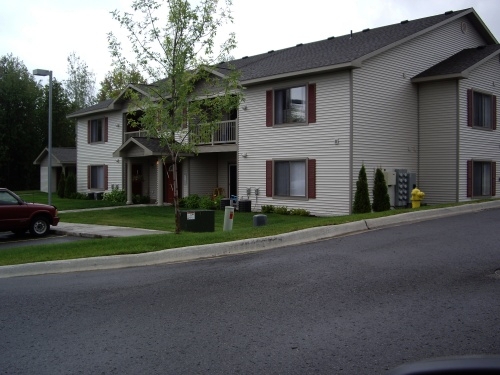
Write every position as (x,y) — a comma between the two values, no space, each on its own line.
(8,240)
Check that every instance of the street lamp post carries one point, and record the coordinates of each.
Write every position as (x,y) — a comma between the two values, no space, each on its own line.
(43,72)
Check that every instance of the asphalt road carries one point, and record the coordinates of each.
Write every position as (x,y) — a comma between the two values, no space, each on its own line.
(360,304)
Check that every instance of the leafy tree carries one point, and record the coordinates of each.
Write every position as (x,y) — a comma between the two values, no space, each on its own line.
(81,82)
(180,108)
(362,196)
(63,129)
(381,200)
(116,80)
(20,125)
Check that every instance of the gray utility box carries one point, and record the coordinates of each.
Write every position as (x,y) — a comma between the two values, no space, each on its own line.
(198,220)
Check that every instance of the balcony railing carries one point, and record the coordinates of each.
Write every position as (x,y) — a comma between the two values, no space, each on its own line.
(139,133)
(225,132)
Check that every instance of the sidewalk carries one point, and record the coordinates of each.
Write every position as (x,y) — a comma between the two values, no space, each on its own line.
(221,249)
(101,231)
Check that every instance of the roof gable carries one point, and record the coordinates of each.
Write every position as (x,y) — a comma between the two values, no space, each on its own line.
(62,155)
(459,65)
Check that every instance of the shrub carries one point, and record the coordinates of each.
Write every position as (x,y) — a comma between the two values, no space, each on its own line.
(362,197)
(140,199)
(115,195)
(267,209)
(207,203)
(61,186)
(282,210)
(190,202)
(70,188)
(299,212)
(381,200)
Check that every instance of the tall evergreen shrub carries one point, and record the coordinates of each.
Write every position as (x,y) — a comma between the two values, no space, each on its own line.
(362,196)
(70,188)
(381,201)
(61,186)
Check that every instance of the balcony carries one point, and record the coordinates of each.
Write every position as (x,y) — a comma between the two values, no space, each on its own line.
(224,133)
(139,133)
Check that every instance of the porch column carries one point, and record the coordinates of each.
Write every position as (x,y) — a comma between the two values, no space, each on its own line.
(129,182)
(159,191)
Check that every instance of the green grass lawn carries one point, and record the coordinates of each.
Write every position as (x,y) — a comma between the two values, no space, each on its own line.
(162,218)
(63,203)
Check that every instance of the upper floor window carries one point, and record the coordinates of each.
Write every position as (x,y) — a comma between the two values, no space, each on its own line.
(97,130)
(482,110)
(292,105)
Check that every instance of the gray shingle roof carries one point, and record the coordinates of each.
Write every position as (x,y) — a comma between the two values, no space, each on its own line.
(64,155)
(101,105)
(460,62)
(333,51)
(329,53)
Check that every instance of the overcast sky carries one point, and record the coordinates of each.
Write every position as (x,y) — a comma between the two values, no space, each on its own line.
(43,33)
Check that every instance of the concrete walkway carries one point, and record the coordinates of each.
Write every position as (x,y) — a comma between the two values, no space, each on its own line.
(101,231)
(221,249)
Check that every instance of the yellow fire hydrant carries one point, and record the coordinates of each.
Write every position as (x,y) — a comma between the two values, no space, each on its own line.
(416,197)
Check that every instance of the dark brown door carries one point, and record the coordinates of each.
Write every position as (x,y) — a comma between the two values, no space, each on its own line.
(137,179)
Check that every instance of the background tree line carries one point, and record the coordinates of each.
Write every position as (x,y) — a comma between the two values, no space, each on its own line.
(24,113)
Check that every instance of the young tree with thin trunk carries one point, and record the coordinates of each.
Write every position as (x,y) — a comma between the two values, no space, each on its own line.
(190,92)
(80,84)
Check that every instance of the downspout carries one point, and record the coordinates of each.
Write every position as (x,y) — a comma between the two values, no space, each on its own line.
(418,135)
(457,157)
(351,138)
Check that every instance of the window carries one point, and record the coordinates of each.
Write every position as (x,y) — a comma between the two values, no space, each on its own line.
(293,105)
(97,131)
(291,178)
(97,177)
(481,178)
(482,110)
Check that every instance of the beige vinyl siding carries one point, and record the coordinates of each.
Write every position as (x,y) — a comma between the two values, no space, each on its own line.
(314,141)
(438,141)
(385,109)
(476,143)
(99,153)
(202,174)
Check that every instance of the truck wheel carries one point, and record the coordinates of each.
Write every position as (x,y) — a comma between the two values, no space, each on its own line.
(39,226)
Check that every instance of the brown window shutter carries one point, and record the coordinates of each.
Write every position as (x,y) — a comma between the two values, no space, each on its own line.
(311,178)
(494,112)
(469,178)
(105,177)
(311,103)
(88,176)
(269,108)
(269,178)
(105,129)
(88,131)
(493,178)
(470,94)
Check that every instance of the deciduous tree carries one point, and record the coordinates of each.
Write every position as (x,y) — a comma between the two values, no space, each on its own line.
(80,84)
(179,55)
(116,80)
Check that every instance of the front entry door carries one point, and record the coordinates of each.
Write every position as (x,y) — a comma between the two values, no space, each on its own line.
(233,180)
(168,184)
(137,179)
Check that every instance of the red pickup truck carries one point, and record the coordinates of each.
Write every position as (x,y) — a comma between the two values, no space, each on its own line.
(18,216)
